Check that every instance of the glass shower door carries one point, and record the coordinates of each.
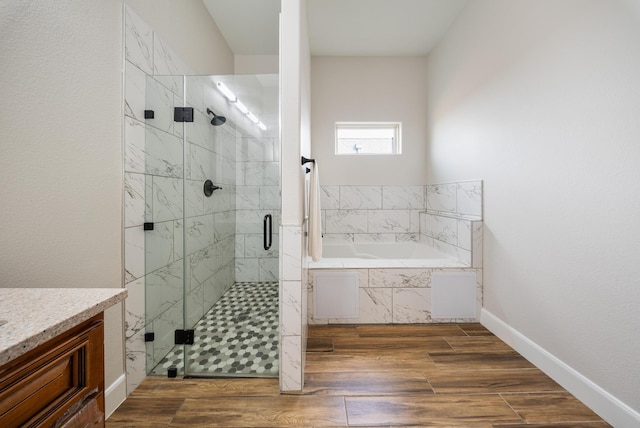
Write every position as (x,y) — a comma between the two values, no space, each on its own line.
(209,231)
(163,227)
(230,298)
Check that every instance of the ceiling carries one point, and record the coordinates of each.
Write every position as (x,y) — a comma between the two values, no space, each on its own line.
(339,27)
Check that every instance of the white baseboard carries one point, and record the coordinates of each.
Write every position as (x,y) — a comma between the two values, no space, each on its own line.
(597,399)
(114,395)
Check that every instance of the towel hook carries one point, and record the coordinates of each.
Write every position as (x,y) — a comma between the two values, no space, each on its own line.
(307,160)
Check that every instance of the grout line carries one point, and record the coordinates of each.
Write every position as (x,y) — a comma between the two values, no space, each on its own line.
(448,343)
(463,330)
(346,413)
(175,414)
(426,377)
(514,410)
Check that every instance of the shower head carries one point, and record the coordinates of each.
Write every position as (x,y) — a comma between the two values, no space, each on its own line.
(217,120)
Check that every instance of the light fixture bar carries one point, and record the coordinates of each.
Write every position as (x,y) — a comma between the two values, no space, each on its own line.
(226,92)
(241,107)
(252,117)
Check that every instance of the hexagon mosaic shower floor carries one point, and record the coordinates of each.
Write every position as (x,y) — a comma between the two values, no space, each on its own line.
(237,337)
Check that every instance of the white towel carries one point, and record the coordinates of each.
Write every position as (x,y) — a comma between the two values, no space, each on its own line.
(315,219)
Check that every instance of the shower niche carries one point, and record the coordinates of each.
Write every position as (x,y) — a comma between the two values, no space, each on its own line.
(211,303)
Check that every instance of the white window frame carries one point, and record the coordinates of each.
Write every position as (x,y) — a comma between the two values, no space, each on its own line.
(395,127)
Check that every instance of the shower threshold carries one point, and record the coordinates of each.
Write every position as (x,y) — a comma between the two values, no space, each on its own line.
(237,337)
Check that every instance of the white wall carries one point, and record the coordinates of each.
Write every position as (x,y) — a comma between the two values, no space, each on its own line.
(368,89)
(294,99)
(256,64)
(61,156)
(189,29)
(541,99)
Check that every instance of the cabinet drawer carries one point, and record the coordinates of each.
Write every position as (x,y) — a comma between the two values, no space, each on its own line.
(53,379)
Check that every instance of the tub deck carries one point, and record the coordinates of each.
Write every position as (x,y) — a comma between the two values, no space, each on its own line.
(383,255)
(355,263)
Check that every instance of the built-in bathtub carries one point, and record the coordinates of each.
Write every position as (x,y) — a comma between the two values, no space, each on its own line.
(366,255)
(389,282)
(381,277)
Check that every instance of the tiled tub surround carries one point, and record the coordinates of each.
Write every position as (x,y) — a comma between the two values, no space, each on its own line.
(446,217)
(372,213)
(462,199)
(395,296)
(452,222)
(392,213)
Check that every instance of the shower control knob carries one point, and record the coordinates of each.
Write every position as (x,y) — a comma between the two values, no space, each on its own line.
(209,188)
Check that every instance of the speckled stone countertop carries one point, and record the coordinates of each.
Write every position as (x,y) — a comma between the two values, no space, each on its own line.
(35,315)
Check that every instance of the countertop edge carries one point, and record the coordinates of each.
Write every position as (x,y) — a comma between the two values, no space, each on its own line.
(49,332)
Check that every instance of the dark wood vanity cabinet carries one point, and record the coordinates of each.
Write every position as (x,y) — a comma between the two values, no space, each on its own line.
(58,384)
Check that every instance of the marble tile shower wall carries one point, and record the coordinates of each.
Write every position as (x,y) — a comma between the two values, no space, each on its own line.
(372,213)
(258,194)
(154,171)
(210,221)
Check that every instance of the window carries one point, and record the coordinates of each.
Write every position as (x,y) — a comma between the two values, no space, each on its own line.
(368,138)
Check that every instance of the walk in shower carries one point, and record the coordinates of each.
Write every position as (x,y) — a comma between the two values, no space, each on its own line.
(211,221)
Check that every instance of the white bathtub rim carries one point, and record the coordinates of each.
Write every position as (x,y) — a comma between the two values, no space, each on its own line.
(385,263)
(441,260)
(382,250)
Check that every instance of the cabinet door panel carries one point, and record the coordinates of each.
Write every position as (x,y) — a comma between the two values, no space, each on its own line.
(50,382)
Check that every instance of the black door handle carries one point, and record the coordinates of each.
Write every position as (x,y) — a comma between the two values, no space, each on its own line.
(267,238)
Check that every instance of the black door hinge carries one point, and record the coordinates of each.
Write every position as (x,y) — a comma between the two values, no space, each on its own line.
(184,337)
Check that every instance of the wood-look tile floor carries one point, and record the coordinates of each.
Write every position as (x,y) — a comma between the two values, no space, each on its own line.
(366,376)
